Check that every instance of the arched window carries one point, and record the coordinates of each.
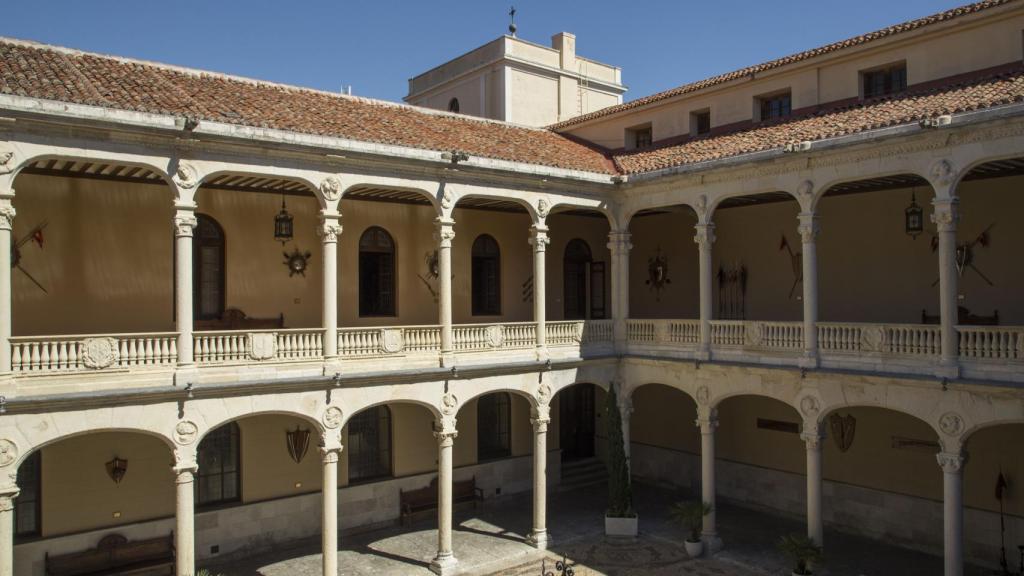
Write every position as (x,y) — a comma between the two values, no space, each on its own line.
(486,276)
(219,479)
(28,504)
(494,426)
(376,273)
(575,268)
(453,105)
(208,269)
(369,445)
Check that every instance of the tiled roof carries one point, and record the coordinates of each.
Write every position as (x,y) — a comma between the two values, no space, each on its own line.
(51,73)
(991,90)
(723,78)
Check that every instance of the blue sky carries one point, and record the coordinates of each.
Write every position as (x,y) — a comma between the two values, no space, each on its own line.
(377,45)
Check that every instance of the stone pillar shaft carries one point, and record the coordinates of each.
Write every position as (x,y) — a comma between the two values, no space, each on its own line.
(329,532)
(539,240)
(329,231)
(7,213)
(946,217)
(539,535)
(184,533)
(184,223)
(808,232)
(705,237)
(620,245)
(7,531)
(445,562)
(953,512)
(815,524)
(707,424)
(445,233)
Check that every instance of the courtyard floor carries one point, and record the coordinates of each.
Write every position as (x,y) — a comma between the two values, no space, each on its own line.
(490,541)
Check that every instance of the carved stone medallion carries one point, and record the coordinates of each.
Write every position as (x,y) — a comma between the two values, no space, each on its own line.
(447,198)
(810,406)
(951,423)
(8,452)
(391,340)
(449,403)
(495,336)
(942,172)
(332,417)
(331,188)
(871,339)
(805,191)
(543,393)
(753,334)
(262,345)
(6,161)
(542,207)
(186,176)
(703,395)
(185,432)
(99,353)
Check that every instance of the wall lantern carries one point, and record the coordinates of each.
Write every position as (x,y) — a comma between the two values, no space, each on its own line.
(914,217)
(116,468)
(283,224)
(298,443)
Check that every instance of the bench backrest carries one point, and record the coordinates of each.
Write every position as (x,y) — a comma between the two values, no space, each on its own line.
(112,552)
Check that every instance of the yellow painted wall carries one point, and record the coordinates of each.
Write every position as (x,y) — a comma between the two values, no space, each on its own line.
(671,233)
(665,417)
(534,98)
(267,469)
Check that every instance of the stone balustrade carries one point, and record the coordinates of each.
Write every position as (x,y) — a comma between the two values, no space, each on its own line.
(230,346)
(92,352)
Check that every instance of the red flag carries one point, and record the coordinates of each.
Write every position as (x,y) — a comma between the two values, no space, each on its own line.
(37,237)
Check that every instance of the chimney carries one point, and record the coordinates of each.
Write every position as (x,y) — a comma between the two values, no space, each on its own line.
(565,43)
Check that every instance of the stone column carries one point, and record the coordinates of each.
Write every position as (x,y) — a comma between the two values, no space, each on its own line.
(445,562)
(815,526)
(7,213)
(329,532)
(625,413)
(184,532)
(539,240)
(953,511)
(184,223)
(704,236)
(707,420)
(329,230)
(7,496)
(445,233)
(539,535)
(808,231)
(946,217)
(619,244)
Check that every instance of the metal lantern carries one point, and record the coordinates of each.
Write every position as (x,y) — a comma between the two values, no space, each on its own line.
(283,224)
(914,217)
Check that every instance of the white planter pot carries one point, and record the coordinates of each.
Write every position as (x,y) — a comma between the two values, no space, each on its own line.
(621,526)
(694,549)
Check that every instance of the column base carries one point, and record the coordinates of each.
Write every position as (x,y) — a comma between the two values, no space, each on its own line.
(539,539)
(444,565)
(712,542)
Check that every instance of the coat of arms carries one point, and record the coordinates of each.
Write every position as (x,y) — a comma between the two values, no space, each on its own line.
(657,273)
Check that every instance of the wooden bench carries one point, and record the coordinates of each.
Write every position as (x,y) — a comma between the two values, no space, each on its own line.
(964,318)
(235,319)
(116,555)
(423,499)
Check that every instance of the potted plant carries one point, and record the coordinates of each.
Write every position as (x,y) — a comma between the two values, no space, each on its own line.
(802,551)
(620,519)
(691,515)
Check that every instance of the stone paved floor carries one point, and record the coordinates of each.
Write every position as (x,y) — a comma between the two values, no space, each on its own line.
(489,541)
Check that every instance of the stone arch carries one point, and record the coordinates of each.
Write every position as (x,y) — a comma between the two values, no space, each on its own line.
(685,390)
(21,164)
(603,208)
(821,191)
(255,172)
(921,416)
(531,210)
(213,425)
(717,398)
(713,204)
(435,412)
(416,192)
(27,447)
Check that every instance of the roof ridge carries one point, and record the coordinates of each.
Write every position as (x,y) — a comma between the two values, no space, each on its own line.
(66,52)
(857,40)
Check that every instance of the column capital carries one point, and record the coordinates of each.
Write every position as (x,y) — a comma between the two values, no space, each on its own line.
(809,226)
(7,496)
(7,214)
(704,235)
(540,413)
(707,422)
(812,438)
(185,221)
(330,226)
(445,431)
(946,213)
(950,462)
(619,241)
(329,454)
(444,231)
(539,238)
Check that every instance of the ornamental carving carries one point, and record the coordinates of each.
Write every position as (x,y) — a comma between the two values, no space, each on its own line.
(6,161)
(99,353)
(753,334)
(810,406)
(543,394)
(950,463)
(543,206)
(805,191)
(577,332)
(184,225)
(701,206)
(871,338)
(808,228)
(539,238)
(704,235)
(392,340)
(445,234)
(951,424)
(186,176)
(8,452)
(262,345)
(703,395)
(7,214)
(447,198)
(332,417)
(945,216)
(185,432)
(449,403)
(541,417)
(495,336)
(330,188)
(941,172)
